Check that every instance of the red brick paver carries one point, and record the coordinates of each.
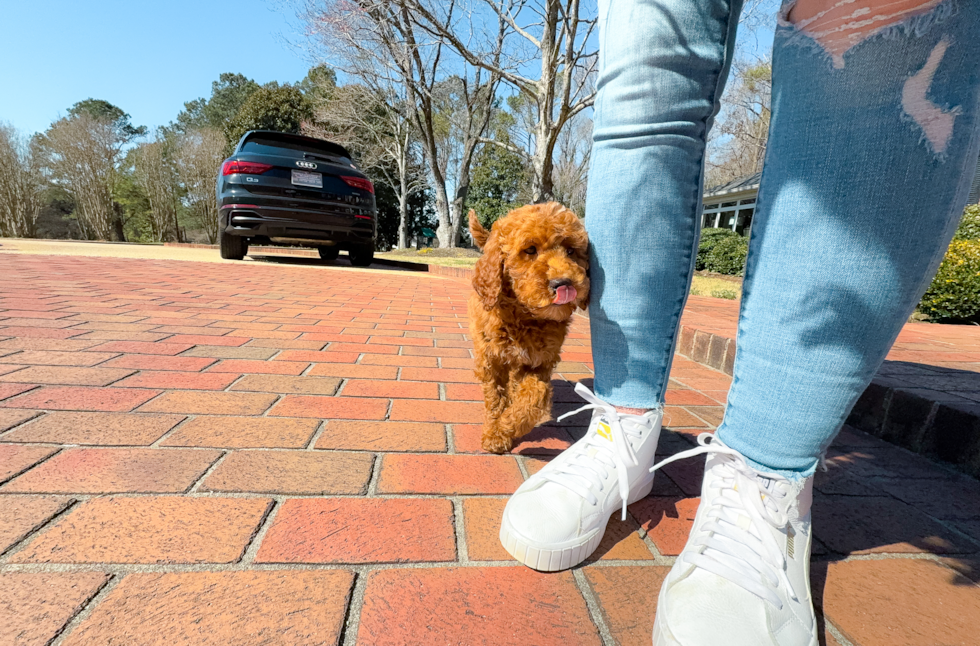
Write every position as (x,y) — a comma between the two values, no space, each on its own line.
(178,380)
(149,530)
(383,436)
(627,598)
(292,472)
(101,470)
(19,515)
(913,602)
(478,606)
(95,428)
(34,608)
(331,407)
(448,474)
(9,390)
(354,530)
(243,432)
(291,454)
(247,608)
(11,418)
(67,376)
(14,458)
(83,398)
(210,403)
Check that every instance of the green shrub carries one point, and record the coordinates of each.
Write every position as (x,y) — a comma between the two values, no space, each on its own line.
(727,255)
(954,295)
(709,238)
(969,228)
(729,294)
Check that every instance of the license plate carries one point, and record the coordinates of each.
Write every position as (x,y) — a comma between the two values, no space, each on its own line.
(306,178)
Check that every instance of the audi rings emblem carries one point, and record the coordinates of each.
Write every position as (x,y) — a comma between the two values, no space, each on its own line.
(305,164)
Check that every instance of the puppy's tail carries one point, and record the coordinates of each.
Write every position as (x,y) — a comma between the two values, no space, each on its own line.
(477,231)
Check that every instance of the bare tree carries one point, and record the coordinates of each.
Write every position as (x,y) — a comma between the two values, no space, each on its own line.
(374,125)
(199,155)
(379,43)
(556,34)
(740,135)
(21,184)
(571,172)
(84,155)
(156,174)
(463,109)
(737,141)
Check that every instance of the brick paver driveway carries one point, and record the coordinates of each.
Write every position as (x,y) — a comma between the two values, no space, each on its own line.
(238,453)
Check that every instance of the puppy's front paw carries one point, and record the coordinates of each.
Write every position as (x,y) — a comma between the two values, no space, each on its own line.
(495,443)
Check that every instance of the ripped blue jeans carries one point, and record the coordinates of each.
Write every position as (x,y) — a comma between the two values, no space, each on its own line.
(873,141)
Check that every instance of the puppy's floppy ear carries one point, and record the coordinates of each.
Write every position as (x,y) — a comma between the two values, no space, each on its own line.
(477,231)
(489,271)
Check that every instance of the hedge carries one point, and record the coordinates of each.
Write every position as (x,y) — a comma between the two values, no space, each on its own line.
(954,295)
(710,238)
(723,253)
(969,228)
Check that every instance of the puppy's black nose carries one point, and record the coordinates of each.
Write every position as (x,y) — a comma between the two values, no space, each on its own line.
(559,282)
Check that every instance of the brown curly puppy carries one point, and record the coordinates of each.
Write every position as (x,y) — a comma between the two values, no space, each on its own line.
(530,279)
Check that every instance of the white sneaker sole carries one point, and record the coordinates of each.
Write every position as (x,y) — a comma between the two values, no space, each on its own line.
(549,557)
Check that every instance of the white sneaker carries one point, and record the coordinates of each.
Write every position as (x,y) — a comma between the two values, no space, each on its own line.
(556,519)
(743,578)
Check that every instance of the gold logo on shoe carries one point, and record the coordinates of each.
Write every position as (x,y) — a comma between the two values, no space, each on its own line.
(603,430)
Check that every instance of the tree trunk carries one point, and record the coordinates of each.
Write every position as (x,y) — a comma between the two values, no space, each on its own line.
(458,206)
(119,235)
(542,184)
(445,231)
(403,217)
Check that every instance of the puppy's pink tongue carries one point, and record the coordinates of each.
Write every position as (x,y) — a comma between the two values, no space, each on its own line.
(564,294)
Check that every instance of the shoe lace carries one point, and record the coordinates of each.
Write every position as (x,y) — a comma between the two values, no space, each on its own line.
(588,466)
(726,544)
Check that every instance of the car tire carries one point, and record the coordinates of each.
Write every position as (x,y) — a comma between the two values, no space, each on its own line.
(232,247)
(361,256)
(329,253)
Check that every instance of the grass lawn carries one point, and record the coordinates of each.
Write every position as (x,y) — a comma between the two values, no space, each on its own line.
(717,285)
(445,257)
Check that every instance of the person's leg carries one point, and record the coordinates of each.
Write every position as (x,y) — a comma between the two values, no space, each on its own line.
(663,68)
(873,137)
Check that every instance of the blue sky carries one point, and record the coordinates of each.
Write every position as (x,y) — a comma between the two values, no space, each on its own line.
(148,58)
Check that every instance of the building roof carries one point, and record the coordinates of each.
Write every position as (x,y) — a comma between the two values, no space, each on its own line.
(738,185)
(751,183)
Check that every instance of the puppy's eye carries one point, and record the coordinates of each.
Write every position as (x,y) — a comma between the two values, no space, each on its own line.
(532,250)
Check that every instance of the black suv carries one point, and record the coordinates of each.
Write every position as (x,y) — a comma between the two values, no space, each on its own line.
(283,189)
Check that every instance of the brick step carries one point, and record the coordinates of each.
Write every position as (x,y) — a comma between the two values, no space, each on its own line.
(895,407)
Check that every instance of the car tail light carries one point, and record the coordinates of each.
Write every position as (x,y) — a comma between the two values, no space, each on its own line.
(363,217)
(232,167)
(359,182)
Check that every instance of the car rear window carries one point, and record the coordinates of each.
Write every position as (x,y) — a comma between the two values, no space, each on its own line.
(291,148)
